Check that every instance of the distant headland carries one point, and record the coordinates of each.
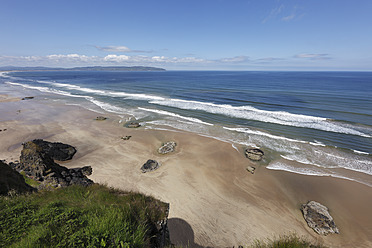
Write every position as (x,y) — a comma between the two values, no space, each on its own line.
(89,68)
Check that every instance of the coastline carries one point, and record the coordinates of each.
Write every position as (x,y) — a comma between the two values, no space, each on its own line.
(213,199)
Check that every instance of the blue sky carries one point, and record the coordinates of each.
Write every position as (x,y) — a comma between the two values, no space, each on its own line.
(188,35)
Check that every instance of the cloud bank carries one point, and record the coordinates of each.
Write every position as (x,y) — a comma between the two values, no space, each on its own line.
(67,60)
(242,62)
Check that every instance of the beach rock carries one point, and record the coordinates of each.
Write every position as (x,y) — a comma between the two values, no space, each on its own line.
(132,124)
(56,150)
(84,171)
(28,98)
(251,169)
(12,181)
(100,118)
(38,165)
(167,147)
(126,137)
(318,218)
(254,154)
(150,165)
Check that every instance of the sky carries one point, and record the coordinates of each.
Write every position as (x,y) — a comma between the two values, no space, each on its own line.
(188,35)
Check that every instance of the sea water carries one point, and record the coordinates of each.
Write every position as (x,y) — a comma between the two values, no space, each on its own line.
(312,123)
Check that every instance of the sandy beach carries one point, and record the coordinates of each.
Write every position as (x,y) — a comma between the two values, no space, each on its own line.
(214,201)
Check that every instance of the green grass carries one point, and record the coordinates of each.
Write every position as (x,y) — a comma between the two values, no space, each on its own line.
(287,241)
(29,181)
(76,216)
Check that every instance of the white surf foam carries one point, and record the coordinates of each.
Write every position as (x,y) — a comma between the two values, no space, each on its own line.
(317,143)
(351,162)
(300,158)
(251,113)
(4,74)
(46,90)
(162,112)
(75,87)
(250,131)
(360,152)
(108,107)
(310,172)
(233,146)
(105,92)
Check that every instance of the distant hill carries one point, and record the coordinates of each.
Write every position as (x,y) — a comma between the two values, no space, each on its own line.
(89,68)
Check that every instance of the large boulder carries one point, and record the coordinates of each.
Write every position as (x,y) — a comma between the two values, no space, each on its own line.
(132,124)
(318,218)
(38,165)
(254,154)
(167,147)
(150,165)
(100,118)
(56,150)
(12,181)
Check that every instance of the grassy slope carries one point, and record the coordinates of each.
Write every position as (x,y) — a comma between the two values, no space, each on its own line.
(94,216)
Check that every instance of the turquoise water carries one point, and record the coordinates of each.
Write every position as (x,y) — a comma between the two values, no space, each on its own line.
(320,120)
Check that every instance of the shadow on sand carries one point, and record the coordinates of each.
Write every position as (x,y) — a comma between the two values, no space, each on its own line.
(182,234)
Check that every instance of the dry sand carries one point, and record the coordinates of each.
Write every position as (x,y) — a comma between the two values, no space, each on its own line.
(214,201)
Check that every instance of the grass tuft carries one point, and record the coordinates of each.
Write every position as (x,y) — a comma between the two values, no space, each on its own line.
(286,241)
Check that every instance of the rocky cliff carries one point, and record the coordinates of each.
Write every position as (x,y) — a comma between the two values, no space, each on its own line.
(36,163)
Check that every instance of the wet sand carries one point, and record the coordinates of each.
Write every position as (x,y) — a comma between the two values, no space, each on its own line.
(214,201)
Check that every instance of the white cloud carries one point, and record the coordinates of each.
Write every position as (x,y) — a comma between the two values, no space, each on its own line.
(116,58)
(120,49)
(236,59)
(288,18)
(285,13)
(67,57)
(314,56)
(268,60)
(114,48)
(274,13)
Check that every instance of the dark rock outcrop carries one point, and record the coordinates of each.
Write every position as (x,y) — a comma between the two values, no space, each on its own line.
(38,165)
(11,180)
(318,218)
(57,151)
(150,165)
(167,147)
(28,98)
(100,118)
(254,154)
(132,124)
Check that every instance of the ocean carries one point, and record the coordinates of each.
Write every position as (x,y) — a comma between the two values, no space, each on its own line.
(311,123)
